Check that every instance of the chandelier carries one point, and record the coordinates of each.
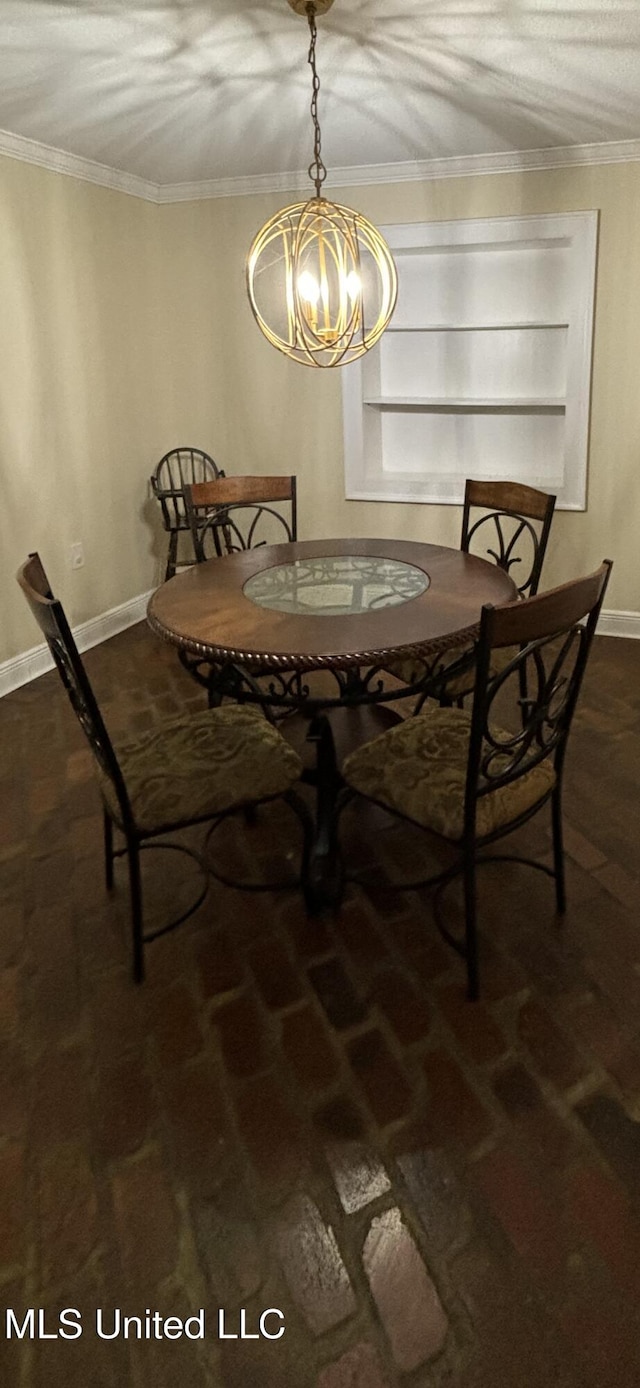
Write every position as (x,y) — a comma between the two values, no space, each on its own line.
(321,279)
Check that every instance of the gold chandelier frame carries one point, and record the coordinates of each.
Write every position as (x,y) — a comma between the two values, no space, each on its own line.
(336,281)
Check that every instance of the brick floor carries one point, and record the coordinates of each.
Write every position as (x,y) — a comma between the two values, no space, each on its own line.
(308,1115)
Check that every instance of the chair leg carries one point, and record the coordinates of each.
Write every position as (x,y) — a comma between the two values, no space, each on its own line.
(524,691)
(108,849)
(471,936)
(214,695)
(135,885)
(172,555)
(324,879)
(307,845)
(558,850)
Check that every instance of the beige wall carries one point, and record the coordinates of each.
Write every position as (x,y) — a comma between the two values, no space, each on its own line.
(126,330)
(290,416)
(109,355)
(80,354)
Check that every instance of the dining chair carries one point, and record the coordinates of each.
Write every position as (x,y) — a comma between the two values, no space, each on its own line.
(512,530)
(238,513)
(465,778)
(176,470)
(186,771)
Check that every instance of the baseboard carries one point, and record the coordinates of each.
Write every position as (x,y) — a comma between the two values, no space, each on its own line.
(23,668)
(620,624)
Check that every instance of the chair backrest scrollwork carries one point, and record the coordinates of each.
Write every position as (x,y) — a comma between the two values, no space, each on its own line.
(551,635)
(51,619)
(513,531)
(238,513)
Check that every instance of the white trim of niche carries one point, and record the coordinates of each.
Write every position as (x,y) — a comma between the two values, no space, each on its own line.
(485,368)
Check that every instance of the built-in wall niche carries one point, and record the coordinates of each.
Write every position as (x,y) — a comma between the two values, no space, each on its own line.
(485,368)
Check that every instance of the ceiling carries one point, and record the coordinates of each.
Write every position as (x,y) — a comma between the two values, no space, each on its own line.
(183,91)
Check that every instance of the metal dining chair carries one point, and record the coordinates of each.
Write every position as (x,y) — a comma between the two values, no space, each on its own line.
(235,513)
(238,513)
(512,530)
(465,778)
(202,767)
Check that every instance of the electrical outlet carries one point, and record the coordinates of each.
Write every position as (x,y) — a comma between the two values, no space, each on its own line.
(77,555)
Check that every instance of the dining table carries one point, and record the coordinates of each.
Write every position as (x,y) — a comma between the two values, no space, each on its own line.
(309,630)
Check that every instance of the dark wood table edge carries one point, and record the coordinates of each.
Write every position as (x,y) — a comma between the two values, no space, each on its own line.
(291,661)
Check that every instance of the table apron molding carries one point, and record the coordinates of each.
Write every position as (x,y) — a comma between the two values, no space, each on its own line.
(283,661)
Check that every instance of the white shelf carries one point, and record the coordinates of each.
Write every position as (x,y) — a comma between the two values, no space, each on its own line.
(450,403)
(485,369)
(472,327)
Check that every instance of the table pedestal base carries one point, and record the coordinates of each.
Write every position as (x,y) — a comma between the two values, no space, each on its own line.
(323,741)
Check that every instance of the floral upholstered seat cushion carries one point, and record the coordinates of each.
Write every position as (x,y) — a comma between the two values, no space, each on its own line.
(419,768)
(460,685)
(410,669)
(194,767)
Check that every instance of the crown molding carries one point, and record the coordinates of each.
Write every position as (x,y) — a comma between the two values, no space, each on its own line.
(411,171)
(59,161)
(247,185)
(414,171)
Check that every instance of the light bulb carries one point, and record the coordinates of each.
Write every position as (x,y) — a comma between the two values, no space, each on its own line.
(353,285)
(308,287)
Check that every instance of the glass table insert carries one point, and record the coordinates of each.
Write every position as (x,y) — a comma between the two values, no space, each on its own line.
(336,585)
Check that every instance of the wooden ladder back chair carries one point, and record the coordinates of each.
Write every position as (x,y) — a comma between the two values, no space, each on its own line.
(460,774)
(238,513)
(186,771)
(179,468)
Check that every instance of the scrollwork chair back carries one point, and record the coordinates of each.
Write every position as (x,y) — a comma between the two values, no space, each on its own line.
(238,513)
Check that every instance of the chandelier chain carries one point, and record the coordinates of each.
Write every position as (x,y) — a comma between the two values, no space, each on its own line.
(317,170)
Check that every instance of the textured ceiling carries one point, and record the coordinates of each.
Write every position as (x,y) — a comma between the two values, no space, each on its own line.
(191,90)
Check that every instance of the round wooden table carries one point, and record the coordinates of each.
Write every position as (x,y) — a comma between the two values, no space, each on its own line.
(208,611)
(347,607)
